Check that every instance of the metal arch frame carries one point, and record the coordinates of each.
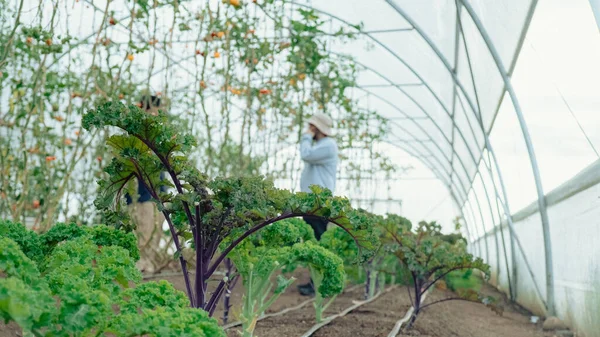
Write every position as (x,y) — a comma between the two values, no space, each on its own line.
(507,213)
(415,73)
(410,68)
(424,159)
(464,190)
(488,144)
(532,156)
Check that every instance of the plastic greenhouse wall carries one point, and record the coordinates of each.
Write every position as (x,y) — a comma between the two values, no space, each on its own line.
(574,211)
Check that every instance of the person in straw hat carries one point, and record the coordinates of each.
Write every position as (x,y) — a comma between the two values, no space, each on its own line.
(319,152)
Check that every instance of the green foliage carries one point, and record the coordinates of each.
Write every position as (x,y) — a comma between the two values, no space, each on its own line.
(326,271)
(213,213)
(429,258)
(281,247)
(463,280)
(86,290)
(28,241)
(164,322)
(151,295)
(59,233)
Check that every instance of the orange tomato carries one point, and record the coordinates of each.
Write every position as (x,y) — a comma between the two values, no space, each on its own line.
(301,77)
(59,118)
(220,35)
(234,3)
(202,84)
(29,40)
(36,204)
(217,55)
(112,21)
(68,142)
(50,158)
(121,96)
(265,91)
(130,57)
(99,159)
(77,132)
(49,42)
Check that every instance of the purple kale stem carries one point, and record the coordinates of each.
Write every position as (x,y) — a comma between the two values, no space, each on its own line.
(182,261)
(227,298)
(200,281)
(212,303)
(367,284)
(186,277)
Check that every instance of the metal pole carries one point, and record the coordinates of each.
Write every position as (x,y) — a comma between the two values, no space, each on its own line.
(534,164)
(487,249)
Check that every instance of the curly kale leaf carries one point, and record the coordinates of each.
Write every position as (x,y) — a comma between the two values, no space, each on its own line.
(28,240)
(325,263)
(108,269)
(24,296)
(152,295)
(163,322)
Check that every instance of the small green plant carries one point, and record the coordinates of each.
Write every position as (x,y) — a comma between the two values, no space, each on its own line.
(258,259)
(326,271)
(82,288)
(380,266)
(429,259)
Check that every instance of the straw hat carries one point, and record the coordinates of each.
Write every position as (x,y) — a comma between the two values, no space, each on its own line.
(322,122)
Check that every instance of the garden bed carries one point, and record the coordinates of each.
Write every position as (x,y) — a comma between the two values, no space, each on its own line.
(453,318)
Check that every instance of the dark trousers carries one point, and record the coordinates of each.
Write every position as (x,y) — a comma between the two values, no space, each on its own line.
(318,225)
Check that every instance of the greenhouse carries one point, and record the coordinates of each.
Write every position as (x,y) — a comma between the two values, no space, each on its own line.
(299,168)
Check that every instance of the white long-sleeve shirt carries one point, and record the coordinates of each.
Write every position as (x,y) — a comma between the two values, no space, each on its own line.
(320,162)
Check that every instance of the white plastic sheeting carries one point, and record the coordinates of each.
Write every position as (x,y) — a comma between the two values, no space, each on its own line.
(427,67)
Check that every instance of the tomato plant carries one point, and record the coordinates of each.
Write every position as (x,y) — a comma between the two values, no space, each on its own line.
(238,75)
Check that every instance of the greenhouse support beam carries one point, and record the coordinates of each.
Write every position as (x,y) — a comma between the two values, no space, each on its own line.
(532,156)
(464,190)
(596,9)
(479,117)
(487,249)
(515,58)
(453,150)
(469,203)
(487,197)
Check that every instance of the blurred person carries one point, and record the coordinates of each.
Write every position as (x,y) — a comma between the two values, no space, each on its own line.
(143,210)
(319,152)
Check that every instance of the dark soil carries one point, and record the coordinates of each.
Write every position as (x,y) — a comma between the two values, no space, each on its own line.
(468,319)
